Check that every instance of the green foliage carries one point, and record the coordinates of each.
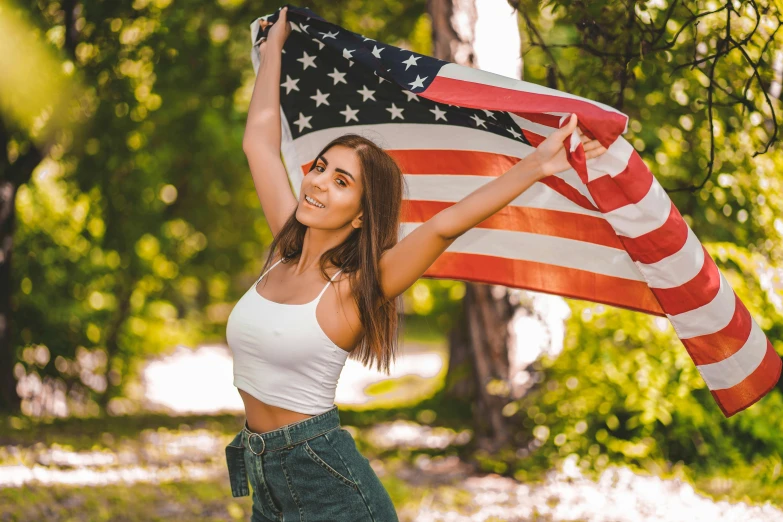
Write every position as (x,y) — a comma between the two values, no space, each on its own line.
(624,389)
(144,227)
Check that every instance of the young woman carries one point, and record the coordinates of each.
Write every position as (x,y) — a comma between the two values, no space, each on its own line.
(337,270)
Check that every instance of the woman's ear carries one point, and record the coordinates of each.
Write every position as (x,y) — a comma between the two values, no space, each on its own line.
(357,221)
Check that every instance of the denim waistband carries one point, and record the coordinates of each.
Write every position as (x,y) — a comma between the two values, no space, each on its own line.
(290,434)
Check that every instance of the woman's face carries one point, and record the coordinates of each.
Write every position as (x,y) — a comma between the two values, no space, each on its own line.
(336,182)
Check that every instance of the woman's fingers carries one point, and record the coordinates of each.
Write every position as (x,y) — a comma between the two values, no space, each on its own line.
(593,149)
(590,144)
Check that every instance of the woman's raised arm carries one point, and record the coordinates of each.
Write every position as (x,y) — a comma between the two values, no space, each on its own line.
(262,138)
(405,262)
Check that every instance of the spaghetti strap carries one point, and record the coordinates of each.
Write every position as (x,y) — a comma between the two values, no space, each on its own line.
(270,268)
(327,286)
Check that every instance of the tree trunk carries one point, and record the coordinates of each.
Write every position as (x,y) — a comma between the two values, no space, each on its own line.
(9,399)
(15,172)
(479,369)
(13,175)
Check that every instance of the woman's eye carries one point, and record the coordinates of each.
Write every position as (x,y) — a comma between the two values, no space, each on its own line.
(319,167)
(342,181)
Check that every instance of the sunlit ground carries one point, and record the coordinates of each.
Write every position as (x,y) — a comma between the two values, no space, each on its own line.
(176,382)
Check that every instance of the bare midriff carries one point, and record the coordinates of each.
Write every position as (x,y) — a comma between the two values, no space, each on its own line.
(263,417)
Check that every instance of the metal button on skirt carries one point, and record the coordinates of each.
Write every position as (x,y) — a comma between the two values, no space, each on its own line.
(307,471)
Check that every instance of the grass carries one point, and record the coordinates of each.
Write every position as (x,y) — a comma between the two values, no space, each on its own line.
(208,500)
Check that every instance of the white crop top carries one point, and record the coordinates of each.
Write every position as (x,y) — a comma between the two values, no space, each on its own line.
(281,355)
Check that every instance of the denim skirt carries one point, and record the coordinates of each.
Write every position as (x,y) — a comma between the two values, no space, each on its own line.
(307,471)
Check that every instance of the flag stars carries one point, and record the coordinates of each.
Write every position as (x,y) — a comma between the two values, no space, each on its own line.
(377,52)
(350,114)
(381,79)
(337,76)
(411,61)
(395,111)
(489,113)
(439,113)
(330,35)
(410,95)
(307,61)
(479,121)
(418,83)
(320,98)
(366,93)
(347,56)
(290,84)
(303,121)
(514,133)
(320,43)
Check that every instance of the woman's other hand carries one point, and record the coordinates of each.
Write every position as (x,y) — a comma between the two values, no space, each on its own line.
(551,155)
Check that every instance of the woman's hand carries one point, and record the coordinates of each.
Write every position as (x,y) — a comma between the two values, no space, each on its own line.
(551,155)
(280,30)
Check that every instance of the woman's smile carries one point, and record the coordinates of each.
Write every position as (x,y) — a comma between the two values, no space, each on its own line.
(306,199)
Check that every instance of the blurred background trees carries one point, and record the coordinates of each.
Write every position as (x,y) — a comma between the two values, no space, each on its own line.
(130,224)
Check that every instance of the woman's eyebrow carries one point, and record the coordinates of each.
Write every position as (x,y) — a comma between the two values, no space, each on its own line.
(337,169)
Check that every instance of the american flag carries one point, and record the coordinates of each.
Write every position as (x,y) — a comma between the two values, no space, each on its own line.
(604,231)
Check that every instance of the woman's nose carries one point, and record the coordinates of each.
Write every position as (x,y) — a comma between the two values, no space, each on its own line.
(319,181)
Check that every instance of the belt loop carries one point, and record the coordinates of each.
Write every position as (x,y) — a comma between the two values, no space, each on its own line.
(287,433)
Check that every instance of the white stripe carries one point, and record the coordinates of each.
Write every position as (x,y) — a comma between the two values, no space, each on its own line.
(707,319)
(678,268)
(733,370)
(613,162)
(291,158)
(572,179)
(255,26)
(468,74)
(532,126)
(449,188)
(551,250)
(416,136)
(649,214)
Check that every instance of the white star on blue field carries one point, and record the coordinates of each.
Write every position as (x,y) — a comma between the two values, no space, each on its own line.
(333,77)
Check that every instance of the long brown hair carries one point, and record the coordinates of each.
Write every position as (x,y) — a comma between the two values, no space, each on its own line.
(359,255)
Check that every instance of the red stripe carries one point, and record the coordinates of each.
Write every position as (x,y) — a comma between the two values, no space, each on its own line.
(696,293)
(626,188)
(449,161)
(564,189)
(718,346)
(661,243)
(753,387)
(539,277)
(605,125)
(546,222)
(533,138)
